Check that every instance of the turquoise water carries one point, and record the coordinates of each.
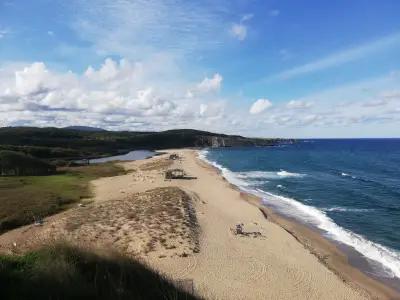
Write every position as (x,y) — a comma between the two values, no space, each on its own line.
(348,189)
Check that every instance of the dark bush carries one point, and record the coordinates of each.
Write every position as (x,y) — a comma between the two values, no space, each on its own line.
(18,164)
(63,272)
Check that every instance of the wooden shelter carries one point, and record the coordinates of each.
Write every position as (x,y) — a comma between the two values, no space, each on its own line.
(175,174)
(174,156)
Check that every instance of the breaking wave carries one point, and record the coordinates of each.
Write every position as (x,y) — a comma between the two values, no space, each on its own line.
(346,209)
(388,258)
(268,174)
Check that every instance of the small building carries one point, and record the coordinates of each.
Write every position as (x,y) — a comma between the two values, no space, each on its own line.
(174,156)
(175,174)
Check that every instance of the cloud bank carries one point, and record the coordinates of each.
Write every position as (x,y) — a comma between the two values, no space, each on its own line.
(259,106)
(117,95)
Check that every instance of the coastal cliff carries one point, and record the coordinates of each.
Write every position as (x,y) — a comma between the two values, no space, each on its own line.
(238,141)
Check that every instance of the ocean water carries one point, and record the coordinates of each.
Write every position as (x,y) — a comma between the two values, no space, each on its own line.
(348,189)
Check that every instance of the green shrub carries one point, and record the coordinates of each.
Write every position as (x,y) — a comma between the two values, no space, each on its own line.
(64,272)
(24,198)
(18,164)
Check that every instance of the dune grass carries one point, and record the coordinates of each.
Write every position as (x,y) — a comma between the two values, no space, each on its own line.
(64,272)
(24,198)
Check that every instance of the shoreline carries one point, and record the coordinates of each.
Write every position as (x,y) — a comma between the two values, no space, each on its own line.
(267,261)
(327,251)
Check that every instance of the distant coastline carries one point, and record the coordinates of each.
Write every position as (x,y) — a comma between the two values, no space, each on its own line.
(61,145)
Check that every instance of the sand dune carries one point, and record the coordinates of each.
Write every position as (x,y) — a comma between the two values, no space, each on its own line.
(184,229)
(272,265)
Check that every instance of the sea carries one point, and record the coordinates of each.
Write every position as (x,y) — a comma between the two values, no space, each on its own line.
(348,189)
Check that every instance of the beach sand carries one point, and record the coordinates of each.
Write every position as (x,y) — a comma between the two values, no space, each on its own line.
(194,241)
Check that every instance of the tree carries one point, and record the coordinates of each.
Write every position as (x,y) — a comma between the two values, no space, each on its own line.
(18,164)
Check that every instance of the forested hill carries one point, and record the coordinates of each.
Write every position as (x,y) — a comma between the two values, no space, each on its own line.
(57,143)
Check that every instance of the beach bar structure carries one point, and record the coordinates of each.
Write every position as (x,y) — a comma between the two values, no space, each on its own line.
(175,174)
(174,156)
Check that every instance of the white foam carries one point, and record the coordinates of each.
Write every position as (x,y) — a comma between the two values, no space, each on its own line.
(388,258)
(203,155)
(226,173)
(283,173)
(348,175)
(256,174)
(259,182)
(346,209)
(268,174)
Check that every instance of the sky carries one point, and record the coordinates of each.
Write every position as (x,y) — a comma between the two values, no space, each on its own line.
(264,68)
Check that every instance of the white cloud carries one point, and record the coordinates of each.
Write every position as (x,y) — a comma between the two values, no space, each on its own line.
(3,32)
(371,113)
(210,84)
(31,79)
(131,96)
(374,103)
(341,57)
(50,33)
(203,109)
(206,88)
(108,70)
(239,31)
(310,119)
(259,106)
(134,29)
(211,110)
(129,92)
(298,104)
(394,94)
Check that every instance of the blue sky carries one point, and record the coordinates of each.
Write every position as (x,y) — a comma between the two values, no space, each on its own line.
(259,68)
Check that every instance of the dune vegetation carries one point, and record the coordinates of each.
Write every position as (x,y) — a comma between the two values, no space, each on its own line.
(65,272)
(24,199)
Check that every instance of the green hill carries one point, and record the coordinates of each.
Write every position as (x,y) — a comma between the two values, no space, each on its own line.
(58,143)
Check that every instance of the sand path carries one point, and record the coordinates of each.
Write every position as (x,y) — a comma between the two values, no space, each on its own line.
(273,266)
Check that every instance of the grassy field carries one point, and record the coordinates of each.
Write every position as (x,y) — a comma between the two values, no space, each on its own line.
(63,272)
(24,198)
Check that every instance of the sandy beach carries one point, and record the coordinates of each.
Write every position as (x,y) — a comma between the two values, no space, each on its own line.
(185,229)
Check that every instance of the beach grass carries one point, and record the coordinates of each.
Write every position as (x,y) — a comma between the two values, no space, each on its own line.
(26,198)
(64,272)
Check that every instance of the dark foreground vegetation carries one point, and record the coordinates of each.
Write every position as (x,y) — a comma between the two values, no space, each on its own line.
(26,198)
(14,163)
(66,144)
(63,272)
